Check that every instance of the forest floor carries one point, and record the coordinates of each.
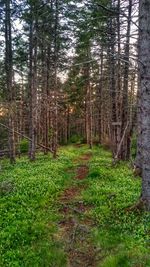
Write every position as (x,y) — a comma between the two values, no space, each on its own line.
(72,212)
(75,228)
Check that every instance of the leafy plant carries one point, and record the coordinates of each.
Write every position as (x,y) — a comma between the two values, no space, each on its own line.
(75,139)
(24,146)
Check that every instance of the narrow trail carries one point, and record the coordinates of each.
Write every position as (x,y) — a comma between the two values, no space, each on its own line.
(75,227)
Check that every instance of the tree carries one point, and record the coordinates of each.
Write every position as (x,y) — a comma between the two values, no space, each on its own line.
(9,80)
(124,115)
(33,79)
(144,84)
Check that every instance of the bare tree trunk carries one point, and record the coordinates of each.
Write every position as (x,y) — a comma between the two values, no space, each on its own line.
(100,87)
(68,123)
(44,97)
(123,152)
(112,83)
(132,116)
(89,119)
(48,135)
(144,83)
(33,88)
(138,160)
(55,121)
(9,77)
(118,96)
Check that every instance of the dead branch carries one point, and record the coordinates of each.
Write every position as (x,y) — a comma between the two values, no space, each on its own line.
(26,137)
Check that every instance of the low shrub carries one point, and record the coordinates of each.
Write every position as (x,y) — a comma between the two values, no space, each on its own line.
(75,139)
(23,146)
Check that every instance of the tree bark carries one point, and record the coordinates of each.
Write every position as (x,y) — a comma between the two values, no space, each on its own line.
(55,121)
(9,77)
(138,160)
(33,87)
(144,83)
(89,120)
(112,83)
(118,97)
(123,152)
(100,87)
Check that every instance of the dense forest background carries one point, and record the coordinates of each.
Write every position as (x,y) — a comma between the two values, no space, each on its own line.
(68,73)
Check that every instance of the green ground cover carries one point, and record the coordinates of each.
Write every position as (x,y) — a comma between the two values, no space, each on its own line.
(30,211)
(122,236)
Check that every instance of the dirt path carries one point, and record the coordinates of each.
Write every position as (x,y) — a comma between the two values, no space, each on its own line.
(75,227)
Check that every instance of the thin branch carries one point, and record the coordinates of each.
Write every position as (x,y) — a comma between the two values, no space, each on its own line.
(117,13)
(26,137)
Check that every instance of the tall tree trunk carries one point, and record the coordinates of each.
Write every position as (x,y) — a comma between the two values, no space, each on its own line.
(44,97)
(144,83)
(48,77)
(100,87)
(89,119)
(33,87)
(123,152)
(9,77)
(68,123)
(55,121)
(112,82)
(138,160)
(118,97)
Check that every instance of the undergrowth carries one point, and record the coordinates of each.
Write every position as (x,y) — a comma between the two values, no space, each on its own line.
(122,236)
(30,211)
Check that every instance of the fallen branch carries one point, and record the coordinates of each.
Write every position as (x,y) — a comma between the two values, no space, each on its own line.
(26,137)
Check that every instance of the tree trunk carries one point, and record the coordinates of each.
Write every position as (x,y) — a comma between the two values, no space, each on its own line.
(68,123)
(123,152)
(118,97)
(112,83)
(144,83)
(138,160)
(9,77)
(55,121)
(33,87)
(100,87)
(89,119)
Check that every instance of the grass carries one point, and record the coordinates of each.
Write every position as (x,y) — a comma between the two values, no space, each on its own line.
(122,236)
(30,211)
